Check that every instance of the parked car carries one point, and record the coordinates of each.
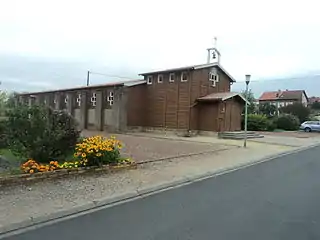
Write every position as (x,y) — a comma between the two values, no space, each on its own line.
(310,126)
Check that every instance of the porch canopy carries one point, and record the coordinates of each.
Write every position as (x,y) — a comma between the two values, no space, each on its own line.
(222,96)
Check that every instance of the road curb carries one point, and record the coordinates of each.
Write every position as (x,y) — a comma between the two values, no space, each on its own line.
(98,204)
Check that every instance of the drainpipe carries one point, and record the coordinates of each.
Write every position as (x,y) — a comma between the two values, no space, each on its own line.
(190,107)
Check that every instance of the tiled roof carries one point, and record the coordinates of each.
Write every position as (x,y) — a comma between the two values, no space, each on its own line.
(221,96)
(292,95)
(269,96)
(282,95)
(314,99)
(200,66)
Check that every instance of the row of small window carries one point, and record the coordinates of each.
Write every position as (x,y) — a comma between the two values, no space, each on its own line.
(213,77)
(172,78)
(93,99)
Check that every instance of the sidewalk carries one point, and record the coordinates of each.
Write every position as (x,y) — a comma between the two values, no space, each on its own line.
(22,203)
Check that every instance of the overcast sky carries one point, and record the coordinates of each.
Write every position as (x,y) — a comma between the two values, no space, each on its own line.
(52,43)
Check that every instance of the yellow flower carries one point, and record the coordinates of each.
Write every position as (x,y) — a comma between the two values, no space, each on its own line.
(99,154)
(31,171)
(83,155)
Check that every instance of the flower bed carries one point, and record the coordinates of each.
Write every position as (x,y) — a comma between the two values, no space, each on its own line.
(89,153)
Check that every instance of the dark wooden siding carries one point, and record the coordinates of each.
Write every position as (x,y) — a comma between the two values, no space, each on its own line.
(168,103)
(230,118)
(207,116)
(173,104)
(136,105)
(201,86)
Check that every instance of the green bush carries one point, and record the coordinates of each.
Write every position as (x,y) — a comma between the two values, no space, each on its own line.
(3,139)
(272,125)
(41,133)
(257,122)
(287,122)
(298,110)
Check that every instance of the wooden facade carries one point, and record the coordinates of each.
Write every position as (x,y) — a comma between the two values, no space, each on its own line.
(191,98)
(168,100)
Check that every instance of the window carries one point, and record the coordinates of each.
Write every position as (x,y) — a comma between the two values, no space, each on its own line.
(214,78)
(184,77)
(160,78)
(93,99)
(110,98)
(171,77)
(79,100)
(149,80)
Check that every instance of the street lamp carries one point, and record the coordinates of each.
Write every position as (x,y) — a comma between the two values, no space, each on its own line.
(246,111)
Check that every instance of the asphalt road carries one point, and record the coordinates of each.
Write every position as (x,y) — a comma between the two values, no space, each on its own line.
(279,199)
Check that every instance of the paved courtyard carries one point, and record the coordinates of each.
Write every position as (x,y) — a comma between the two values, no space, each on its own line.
(150,148)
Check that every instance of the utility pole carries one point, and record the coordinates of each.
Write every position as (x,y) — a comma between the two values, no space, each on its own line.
(88,78)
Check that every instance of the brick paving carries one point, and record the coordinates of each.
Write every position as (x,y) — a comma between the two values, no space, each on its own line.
(143,149)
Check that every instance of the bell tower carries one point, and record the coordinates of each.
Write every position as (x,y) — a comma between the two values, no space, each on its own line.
(213,53)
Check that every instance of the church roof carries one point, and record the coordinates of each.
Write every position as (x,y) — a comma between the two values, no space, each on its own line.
(193,67)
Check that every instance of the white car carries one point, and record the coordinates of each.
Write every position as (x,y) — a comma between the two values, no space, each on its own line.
(310,126)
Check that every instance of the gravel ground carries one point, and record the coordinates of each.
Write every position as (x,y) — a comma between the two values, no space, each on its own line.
(21,202)
(143,149)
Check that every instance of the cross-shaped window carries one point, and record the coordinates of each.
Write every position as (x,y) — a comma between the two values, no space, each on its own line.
(79,99)
(110,98)
(214,78)
(94,99)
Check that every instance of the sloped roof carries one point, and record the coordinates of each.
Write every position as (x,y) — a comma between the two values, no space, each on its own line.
(282,95)
(193,67)
(269,95)
(222,96)
(290,95)
(128,83)
(314,99)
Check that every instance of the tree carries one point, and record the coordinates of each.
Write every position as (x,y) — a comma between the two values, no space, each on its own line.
(251,100)
(315,105)
(298,110)
(3,102)
(267,109)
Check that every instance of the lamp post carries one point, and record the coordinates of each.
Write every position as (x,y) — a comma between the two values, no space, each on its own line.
(246,111)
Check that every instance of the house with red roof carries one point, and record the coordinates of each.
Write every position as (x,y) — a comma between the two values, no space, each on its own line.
(283,98)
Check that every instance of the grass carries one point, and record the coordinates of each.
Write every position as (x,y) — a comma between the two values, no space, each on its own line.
(14,162)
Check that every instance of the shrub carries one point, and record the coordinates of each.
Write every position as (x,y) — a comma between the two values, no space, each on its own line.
(41,133)
(287,122)
(3,138)
(96,151)
(257,122)
(272,125)
(297,109)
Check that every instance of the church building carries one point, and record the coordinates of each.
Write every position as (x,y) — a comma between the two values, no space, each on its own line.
(196,98)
